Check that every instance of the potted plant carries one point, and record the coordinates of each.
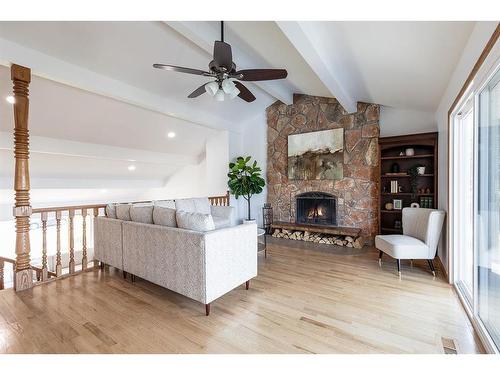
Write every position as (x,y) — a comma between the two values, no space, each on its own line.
(245,180)
(414,172)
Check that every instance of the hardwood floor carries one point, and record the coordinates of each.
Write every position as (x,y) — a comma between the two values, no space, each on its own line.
(303,301)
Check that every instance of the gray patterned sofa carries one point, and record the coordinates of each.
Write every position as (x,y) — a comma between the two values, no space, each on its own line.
(202,265)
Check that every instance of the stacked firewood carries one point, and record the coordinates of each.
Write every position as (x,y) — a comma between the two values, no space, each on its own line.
(307,236)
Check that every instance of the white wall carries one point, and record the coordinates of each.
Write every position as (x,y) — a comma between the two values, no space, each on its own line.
(251,142)
(395,121)
(217,159)
(477,41)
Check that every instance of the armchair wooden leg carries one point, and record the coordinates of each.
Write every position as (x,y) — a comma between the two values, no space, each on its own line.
(431,265)
(380,253)
(102,265)
(247,284)
(207,309)
(124,274)
(399,266)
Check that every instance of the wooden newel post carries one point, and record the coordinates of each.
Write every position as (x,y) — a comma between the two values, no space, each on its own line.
(21,78)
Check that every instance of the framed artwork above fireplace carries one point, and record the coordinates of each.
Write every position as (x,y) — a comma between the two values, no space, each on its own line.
(316,155)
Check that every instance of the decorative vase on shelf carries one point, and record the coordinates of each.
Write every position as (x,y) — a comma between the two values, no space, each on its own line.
(410,152)
(395,168)
(421,170)
(389,206)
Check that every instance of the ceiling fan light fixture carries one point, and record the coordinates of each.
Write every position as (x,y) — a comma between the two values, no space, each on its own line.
(212,88)
(228,86)
(233,94)
(219,96)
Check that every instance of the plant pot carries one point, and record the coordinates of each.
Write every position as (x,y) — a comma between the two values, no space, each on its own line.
(252,221)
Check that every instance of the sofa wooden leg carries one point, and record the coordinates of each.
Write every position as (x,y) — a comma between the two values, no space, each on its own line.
(102,265)
(132,277)
(124,274)
(247,284)
(380,253)
(398,261)
(207,309)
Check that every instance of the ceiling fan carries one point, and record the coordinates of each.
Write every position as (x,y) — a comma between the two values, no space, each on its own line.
(227,78)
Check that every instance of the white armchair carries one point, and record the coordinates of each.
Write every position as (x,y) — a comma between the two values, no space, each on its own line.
(421,231)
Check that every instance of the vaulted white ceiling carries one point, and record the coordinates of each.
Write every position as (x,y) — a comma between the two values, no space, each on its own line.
(404,66)
(98,106)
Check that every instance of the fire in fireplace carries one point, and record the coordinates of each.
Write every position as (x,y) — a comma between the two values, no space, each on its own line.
(316,208)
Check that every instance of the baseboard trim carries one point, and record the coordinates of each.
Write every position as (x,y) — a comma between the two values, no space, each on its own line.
(441,267)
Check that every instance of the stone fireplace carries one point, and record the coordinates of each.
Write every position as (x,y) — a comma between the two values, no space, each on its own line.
(357,193)
(316,208)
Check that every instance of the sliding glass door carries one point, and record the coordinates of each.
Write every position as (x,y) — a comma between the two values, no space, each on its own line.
(488,208)
(475,200)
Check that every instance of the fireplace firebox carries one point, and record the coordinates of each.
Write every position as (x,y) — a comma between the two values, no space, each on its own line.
(316,208)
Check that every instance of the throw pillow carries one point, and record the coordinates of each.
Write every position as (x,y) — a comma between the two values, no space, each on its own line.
(201,205)
(195,221)
(142,213)
(166,203)
(123,211)
(164,216)
(111,210)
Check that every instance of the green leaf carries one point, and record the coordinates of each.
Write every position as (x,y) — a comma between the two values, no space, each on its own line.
(245,179)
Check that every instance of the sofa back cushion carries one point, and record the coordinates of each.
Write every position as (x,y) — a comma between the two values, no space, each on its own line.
(194,221)
(199,205)
(123,211)
(165,203)
(142,213)
(164,216)
(111,210)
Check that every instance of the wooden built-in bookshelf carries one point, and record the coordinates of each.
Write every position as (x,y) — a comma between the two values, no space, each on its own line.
(426,152)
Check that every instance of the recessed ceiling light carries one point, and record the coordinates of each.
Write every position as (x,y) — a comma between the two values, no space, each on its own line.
(171,135)
(131,167)
(10,99)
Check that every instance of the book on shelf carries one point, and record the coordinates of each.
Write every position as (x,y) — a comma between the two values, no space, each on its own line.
(396,174)
(394,187)
(426,202)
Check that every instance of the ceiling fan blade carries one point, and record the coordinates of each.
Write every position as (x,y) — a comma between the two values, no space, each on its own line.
(245,93)
(223,57)
(200,90)
(181,69)
(260,74)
